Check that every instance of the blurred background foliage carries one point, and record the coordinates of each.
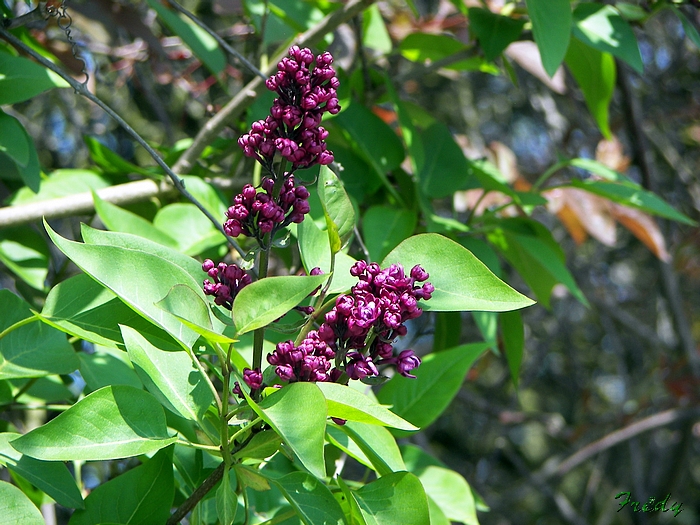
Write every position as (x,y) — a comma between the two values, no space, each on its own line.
(616,347)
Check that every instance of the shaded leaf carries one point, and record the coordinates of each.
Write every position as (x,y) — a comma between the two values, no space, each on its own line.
(438,379)
(22,79)
(310,498)
(494,32)
(551,27)
(384,227)
(513,342)
(15,507)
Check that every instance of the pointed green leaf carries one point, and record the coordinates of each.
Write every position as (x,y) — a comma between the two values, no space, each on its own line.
(202,44)
(377,444)
(494,32)
(193,232)
(347,403)
(141,496)
(444,168)
(438,379)
(315,252)
(310,498)
(25,253)
(13,140)
(82,307)
(633,197)
(462,282)
(384,227)
(15,507)
(394,498)
(263,301)
(297,412)
(22,79)
(111,162)
(171,377)
(226,499)
(690,31)
(419,47)
(335,202)
(113,422)
(140,279)
(601,26)
(121,220)
(29,348)
(261,446)
(51,477)
(134,242)
(107,366)
(551,27)
(451,493)
(513,341)
(595,74)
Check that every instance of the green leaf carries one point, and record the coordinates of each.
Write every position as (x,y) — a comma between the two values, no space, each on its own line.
(199,41)
(374,32)
(111,162)
(113,422)
(601,27)
(418,47)
(438,379)
(82,307)
(336,203)
(346,403)
(263,301)
(461,281)
(227,499)
(29,348)
(595,73)
(513,341)
(311,499)
(134,242)
(171,377)
(315,252)
(448,330)
(384,227)
(22,79)
(13,140)
(377,444)
(186,304)
(690,31)
(451,492)
(141,496)
(444,168)
(61,183)
(51,477)
(394,498)
(634,197)
(121,220)
(298,414)
(107,366)
(537,257)
(15,507)
(494,32)
(140,279)
(194,233)
(373,140)
(551,27)
(261,446)
(25,253)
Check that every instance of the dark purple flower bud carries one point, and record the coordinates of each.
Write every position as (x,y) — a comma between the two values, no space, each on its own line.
(360,366)
(407,361)
(418,273)
(253,378)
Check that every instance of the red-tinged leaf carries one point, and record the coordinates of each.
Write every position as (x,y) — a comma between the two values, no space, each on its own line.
(643,227)
(578,210)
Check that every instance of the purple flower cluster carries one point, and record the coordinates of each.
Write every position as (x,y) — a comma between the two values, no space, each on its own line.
(306,91)
(360,330)
(255,213)
(228,280)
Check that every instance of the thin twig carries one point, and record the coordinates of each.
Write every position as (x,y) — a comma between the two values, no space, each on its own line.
(220,40)
(247,95)
(81,89)
(619,436)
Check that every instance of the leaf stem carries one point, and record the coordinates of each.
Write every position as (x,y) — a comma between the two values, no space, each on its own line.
(547,174)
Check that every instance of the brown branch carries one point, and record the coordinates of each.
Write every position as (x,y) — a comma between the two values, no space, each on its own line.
(201,491)
(614,438)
